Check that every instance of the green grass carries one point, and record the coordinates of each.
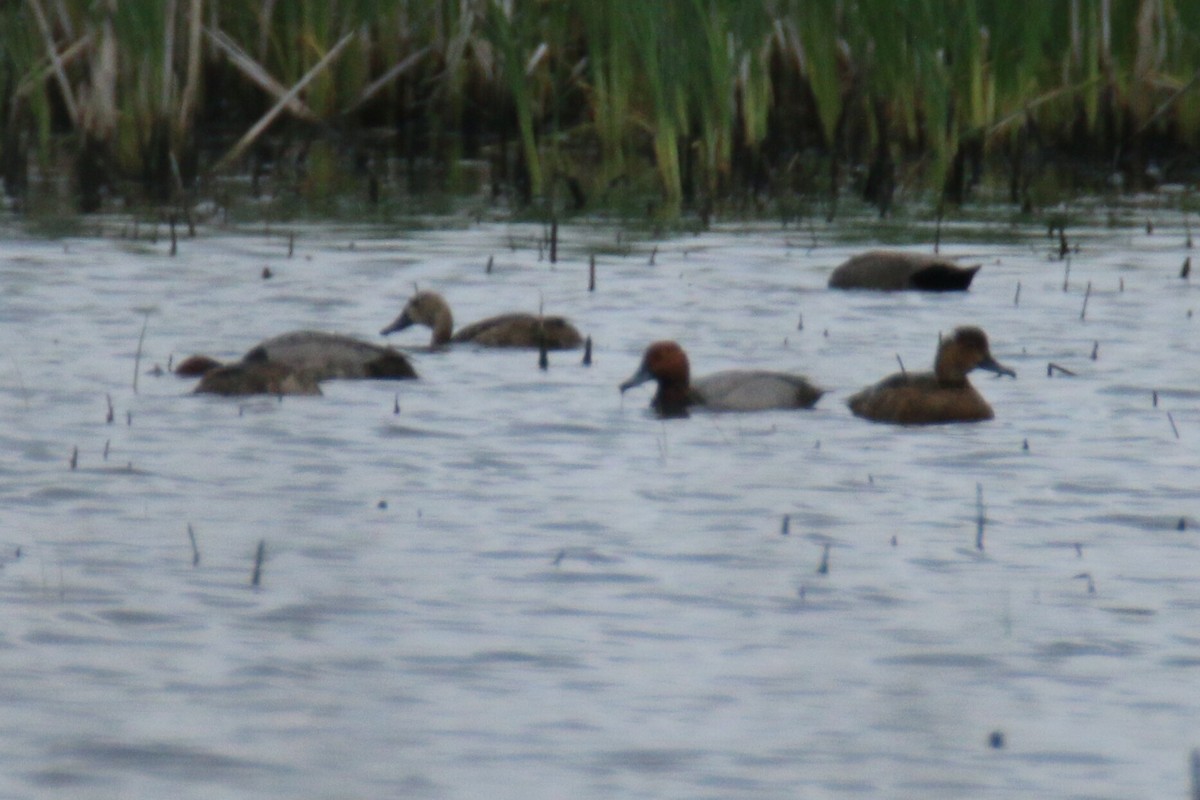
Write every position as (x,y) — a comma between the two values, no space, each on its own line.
(669,106)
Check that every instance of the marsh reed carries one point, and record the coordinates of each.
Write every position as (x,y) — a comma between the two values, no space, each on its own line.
(683,106)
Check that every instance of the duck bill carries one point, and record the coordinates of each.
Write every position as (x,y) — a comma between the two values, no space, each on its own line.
(637,378)
(400,323)
(992,365)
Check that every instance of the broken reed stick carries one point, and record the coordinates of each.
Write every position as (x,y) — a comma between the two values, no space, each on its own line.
(903,371)
(1086,295)
(1171,419)
(592,274)
(554,239)
(259,556)
(137,357)
(1051,368)
(785,529)
(979,517)
(587,351)
(1067,273)
(1017,296)
(823,567)
(195,550)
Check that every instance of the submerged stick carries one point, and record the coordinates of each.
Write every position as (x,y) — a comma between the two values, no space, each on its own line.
(195,550)
(1171,419)
(75,457)
(1067,273)
(109,417)
(979,517)
(823,567)
(1186,269)
(1051,368)
(137,357)
(592,274)
(1087,294)
(587,351)
(783,531)
(1017,296)
(259,556)
(554,239)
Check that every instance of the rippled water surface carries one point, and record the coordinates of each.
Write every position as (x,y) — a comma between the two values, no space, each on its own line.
(524,586)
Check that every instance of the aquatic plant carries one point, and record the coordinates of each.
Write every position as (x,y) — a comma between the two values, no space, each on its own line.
(690,104)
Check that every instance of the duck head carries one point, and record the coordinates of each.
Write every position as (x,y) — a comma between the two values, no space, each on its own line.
(666,363)
(965,350)
(425,308)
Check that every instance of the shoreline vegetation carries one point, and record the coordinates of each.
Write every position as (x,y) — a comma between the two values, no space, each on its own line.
(661,111)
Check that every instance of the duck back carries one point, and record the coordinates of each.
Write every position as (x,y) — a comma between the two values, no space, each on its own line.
(753,390)
(247,378)
(894,271)
(919,399)
(329,355)
(521,330)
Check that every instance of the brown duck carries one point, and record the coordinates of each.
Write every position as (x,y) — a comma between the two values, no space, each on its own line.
(506,330)
(894,271)
(944,395)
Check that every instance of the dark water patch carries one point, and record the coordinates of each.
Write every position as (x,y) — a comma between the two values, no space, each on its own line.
(651,760)
(67,779)
(165,760)
(573,526)
(139,618)
(957,660)
(695,601)
(569,576)
(722,559)
(1182,662)
(587,555)
(1144,522)
(55,495)
(521,429)
(68,639)
(1129,611)
(1062,649)
(317,612)
(1065,758)
(521,658)
(1147,392)
(941,788)
(396,431)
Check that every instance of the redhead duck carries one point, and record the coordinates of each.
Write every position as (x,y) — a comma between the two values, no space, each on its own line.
(294,363)
(507,330)
(894,271)
(730,390)
(263,377)
(943,395)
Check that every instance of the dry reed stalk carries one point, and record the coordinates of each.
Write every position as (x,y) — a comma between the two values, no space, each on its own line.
(60,73)
(256,74)
(257,129)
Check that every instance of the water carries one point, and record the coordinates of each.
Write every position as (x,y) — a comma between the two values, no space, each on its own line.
(524,586)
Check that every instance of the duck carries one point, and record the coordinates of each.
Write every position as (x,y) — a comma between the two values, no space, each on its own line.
(894,271)
(309,356)
(729,390)
(506,330)
(942,396)
(248,377)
